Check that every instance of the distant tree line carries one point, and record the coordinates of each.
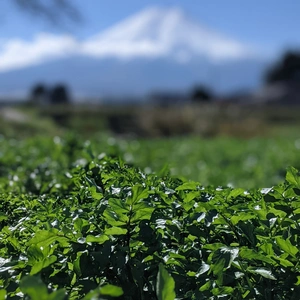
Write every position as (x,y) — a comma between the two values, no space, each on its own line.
(287,69)
(41,94)
(201,93)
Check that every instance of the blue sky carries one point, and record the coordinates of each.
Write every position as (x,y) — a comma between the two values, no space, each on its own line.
(271,25)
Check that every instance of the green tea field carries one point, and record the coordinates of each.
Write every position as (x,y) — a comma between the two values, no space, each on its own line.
(132,219)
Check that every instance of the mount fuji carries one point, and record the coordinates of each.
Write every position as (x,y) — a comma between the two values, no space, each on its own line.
(158,49)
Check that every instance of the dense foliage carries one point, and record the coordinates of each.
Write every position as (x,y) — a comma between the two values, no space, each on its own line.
(244,163)
(77,223)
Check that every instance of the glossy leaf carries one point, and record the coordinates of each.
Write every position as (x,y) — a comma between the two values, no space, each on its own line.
(287,246)
(165,285)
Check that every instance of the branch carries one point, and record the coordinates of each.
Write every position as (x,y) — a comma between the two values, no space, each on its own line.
(54,11)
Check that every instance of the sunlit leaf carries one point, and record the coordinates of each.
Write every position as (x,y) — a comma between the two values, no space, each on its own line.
(287,246)
(2,294)
(37,267)
(45,238)
(114,219)
(293,177)
(142,214)
(138,193)
(205,286)
(251,254)
(242,216)
(165,285)
(97,239)
(111,290)
(225,290)
(191,185)
(115,231)
(263,272)
(204,268)
(3,216)
(119,205)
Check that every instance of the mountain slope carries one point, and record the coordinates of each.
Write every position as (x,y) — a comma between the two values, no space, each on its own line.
(95,78)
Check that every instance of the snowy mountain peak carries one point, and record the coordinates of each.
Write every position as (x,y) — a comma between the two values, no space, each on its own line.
(164,32)
(145,24)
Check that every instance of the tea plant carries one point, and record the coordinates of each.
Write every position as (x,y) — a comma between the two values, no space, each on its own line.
(79,224)
(246,163)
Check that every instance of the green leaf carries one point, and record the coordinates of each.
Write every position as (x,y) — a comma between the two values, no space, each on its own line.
(45,238)
(34,287)
(138,193)
(248,229)
(77,264)
(250,255)
(218,267)
(96,193)
(115,231)
(165,285)
(242,216)
(119,205)
(34,253)
(2,294)
(57,295)
(142,214)
(111,290)
(225,290)
(204,268)
(191,185)
(293,177)
(37,267)
(191,196)
(263,272)
(287,246)
(78,224)
(283,262)
(114,219)
(106,290)
(97,239)
(92,183)
(235,193)
(3,216)
(277,212)
(267,248)
(205,286)
(214,246)
(227,253)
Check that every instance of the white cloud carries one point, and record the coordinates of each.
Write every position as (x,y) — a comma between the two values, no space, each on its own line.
(154,33)
(17,53)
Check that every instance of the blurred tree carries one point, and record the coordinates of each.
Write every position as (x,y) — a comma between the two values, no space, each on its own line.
(39,94)
(287,69)
(59,95)
(53,10)
(201,94)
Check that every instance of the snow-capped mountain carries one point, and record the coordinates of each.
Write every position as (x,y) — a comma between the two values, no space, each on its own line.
(157,32)
(156,49)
